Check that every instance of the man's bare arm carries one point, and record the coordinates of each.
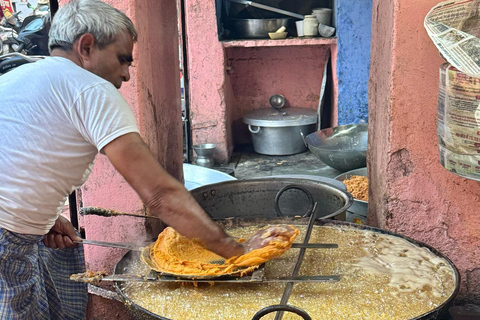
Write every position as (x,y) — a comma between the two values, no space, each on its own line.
(165,196)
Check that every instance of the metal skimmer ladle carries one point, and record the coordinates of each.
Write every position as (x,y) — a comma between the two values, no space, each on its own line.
(273,9)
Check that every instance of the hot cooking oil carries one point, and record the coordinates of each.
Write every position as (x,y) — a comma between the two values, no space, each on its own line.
(381,277)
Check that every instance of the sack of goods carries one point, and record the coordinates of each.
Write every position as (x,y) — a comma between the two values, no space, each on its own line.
(454,31)
(458,122)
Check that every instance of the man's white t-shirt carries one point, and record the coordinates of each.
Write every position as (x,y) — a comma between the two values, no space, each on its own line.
(54,118)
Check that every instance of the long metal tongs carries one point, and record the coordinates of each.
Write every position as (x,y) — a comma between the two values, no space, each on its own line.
(139,246)
(163,278)
(256,277)
(268,8)
(301,254)
(120,245)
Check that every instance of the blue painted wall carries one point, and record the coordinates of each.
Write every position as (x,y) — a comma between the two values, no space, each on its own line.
(354,23)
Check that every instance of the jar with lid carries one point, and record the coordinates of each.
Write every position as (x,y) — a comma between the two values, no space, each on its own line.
(310,26)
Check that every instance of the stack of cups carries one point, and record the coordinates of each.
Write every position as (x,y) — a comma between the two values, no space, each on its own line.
(323,15)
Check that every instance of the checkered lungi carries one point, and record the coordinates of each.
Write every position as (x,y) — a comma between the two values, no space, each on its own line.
(34,280)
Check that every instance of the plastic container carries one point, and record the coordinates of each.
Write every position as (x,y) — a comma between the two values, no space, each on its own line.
(310,26)
(299,25)
(325,31)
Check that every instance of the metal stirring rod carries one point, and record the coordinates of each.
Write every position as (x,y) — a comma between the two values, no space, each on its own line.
(301,254)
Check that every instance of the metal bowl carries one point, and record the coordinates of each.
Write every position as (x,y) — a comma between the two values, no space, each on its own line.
(197,176)
(359,207)
(343,148)
(257,28)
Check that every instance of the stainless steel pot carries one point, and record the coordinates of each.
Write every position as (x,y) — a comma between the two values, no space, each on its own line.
(279,132)
(257,28)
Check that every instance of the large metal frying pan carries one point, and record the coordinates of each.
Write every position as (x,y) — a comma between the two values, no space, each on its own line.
(140,313)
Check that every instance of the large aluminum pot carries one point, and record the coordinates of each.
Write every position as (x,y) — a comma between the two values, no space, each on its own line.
(280,140)
(280,132)
(257,28)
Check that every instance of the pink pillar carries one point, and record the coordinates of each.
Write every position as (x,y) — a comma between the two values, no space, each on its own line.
(206,76)
(154,95)
(411,193)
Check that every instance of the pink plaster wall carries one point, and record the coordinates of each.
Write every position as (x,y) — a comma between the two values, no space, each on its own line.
(258,73)
(154,95)
(206,76)
(411,193)
(334,89)
(158,82)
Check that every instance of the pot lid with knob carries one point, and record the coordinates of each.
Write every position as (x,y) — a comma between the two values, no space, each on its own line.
(286,117)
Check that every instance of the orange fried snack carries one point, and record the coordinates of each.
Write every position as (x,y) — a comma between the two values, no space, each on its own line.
(172,253)
(275,247)
(358,187)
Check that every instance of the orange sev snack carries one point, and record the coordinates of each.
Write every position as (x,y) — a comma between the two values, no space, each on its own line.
(175,254)
(273,249)
(358,187)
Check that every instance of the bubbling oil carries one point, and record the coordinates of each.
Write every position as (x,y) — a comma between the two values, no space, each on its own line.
(381,277)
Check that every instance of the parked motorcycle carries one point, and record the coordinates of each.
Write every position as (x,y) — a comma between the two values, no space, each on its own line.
(32,37)
(11,61)
(11,20)
(8,38)
(43,7)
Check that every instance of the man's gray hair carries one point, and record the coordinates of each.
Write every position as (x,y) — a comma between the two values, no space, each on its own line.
(79,17)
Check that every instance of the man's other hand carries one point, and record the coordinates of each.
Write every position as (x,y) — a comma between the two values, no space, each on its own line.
(61,235)
(264,236)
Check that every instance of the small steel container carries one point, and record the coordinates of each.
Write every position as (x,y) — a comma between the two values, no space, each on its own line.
(358,211)
(279,132)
